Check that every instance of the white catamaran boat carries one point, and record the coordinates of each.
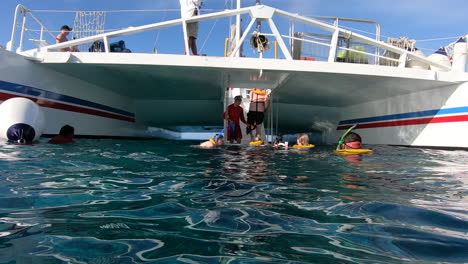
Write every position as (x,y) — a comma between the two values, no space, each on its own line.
(323,79)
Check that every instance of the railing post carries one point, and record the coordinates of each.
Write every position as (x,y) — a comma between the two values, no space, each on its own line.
(377,50)
(186,38)
(238,28)
(402,60)
(106,44)
(246,32)
(333,45)
(23,29)
(13,30)
(42,33)
(280,40)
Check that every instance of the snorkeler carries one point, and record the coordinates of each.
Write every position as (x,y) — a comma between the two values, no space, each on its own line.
(350,143)
(279,142)
(257,141)
(215,141)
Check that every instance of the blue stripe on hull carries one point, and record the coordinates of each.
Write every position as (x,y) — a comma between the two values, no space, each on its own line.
(455,110)
(31,91)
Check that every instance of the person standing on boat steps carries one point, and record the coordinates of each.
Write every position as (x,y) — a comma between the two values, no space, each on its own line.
(188,9)
(259,102)
(234,114)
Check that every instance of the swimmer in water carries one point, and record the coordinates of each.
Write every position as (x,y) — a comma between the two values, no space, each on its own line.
(65,136)
(302,140)
(352,141)
(215,141)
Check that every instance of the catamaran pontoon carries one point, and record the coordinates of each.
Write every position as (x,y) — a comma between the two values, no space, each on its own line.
(324,79)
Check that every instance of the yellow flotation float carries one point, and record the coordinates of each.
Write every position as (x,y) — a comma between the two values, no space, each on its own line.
(213,141)
(304,146)
(354,151)
(256,143)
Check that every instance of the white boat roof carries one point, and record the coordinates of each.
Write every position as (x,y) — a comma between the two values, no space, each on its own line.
(183,77)
(205,78)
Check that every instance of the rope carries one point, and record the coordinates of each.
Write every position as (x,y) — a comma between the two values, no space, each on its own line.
(120,11)
(423,40)
(212,28)
(159,32)
(209,35)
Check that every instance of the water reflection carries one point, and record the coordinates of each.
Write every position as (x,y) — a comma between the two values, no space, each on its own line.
(165,202)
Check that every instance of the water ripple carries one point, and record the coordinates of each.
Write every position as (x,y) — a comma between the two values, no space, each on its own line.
(107,201)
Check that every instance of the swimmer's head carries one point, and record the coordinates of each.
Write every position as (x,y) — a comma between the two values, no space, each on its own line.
(258,137)
(67,131)
(303,139)
(278,139)
(352,141)
(219,139)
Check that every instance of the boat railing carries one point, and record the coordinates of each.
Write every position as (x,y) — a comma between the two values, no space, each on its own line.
(25,13)
(331,44)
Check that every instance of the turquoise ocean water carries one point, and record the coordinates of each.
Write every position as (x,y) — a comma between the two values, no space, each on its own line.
(117,201)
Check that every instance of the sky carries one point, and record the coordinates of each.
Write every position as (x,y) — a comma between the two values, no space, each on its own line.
(416,19)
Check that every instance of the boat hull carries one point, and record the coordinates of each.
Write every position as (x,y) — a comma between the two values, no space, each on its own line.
(92,110)
(124,94)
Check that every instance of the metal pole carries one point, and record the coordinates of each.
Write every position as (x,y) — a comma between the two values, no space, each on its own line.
(466,51)
(23,29)
(377,38)
(106,44)
(42,33)
(186,38)
(238,29)
(13,31)
(259,24)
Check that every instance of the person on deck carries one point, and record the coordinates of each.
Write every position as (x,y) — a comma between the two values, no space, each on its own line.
(234,114)
(188,9)
(259,102)
(62,37)
(65,136)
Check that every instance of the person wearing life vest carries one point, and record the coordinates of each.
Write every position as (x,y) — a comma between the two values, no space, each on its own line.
(233,115)
(215,141)
(259,102)
(257,141)
(303,142)
(65,136)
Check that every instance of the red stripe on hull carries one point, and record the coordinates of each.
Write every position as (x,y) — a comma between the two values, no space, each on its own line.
(71,108)
(410,122)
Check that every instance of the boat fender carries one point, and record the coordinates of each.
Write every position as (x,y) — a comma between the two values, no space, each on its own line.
(440,56)
(256,143)
(304,146)
(21,120)
(353,151)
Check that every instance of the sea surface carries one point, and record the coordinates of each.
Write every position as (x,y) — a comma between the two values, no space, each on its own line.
(118,201)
